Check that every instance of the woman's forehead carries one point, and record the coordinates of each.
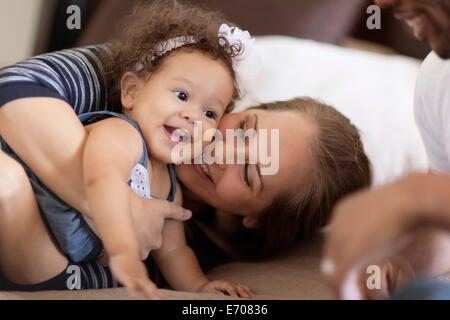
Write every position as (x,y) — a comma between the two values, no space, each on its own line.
(293,150)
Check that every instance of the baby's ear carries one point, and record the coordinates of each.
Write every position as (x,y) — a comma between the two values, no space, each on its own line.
(251,222)
(130,84)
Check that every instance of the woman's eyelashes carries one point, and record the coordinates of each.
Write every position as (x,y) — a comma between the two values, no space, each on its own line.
(247,181)
(242,126)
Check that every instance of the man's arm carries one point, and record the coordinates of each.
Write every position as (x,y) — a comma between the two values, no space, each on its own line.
(370,224)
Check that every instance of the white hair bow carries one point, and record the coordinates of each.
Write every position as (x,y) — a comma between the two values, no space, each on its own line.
(247,64)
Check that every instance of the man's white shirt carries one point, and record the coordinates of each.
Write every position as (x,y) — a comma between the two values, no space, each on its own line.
(432,110)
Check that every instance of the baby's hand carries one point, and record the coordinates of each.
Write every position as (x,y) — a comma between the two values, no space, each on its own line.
(132,274)
(226,287)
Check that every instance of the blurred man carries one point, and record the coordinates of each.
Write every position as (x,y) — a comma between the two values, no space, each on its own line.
(374,225)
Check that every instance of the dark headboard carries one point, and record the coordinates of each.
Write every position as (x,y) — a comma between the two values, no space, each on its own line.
(322,20)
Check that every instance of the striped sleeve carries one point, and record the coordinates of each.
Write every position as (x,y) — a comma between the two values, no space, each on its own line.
(73,75)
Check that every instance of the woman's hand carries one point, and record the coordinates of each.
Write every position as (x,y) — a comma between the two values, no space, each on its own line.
(132,274)
(226,287)
(149,216)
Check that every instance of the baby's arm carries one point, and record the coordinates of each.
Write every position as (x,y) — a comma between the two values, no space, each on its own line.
(180,267)
(112,148)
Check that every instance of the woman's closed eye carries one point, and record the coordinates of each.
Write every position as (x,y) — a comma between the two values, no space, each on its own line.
(183,96)
(242,127)
(246,180)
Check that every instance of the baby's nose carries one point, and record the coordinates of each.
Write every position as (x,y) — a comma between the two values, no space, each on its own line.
(191,114)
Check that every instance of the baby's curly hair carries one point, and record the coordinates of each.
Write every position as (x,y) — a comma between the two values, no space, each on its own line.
(150,25)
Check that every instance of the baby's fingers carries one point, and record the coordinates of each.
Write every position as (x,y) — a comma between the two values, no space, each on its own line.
(148,288)
(226,287)
(144,286)
(244,291)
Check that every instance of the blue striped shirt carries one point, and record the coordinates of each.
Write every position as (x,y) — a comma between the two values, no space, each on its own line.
(73,75)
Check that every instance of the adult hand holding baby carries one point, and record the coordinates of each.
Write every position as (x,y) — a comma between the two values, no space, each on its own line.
(149,216)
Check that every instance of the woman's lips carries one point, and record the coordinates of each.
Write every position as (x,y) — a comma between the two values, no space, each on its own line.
(202,172)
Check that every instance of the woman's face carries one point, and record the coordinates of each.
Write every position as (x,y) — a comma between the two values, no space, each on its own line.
(240,188)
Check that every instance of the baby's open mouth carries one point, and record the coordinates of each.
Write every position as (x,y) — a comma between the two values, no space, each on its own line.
(169,130)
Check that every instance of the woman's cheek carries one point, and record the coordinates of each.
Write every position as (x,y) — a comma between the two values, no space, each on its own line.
(227,191)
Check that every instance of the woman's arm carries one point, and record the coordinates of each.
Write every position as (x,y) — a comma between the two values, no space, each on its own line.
(39,99)
(49,138)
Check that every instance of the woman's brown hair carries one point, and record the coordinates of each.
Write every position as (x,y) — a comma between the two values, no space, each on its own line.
(153,23)
(339,167)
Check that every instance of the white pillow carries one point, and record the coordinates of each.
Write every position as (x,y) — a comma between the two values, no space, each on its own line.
(374,91)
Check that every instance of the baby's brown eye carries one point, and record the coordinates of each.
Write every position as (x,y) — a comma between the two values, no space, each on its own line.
(210,114)
(181,95)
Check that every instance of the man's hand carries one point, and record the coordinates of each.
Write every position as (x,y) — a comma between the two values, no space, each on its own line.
(381,278)
(371,225)
(226,287)
(149,216)
(366,227)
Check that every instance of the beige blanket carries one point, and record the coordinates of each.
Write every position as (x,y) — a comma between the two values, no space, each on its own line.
(294,275)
